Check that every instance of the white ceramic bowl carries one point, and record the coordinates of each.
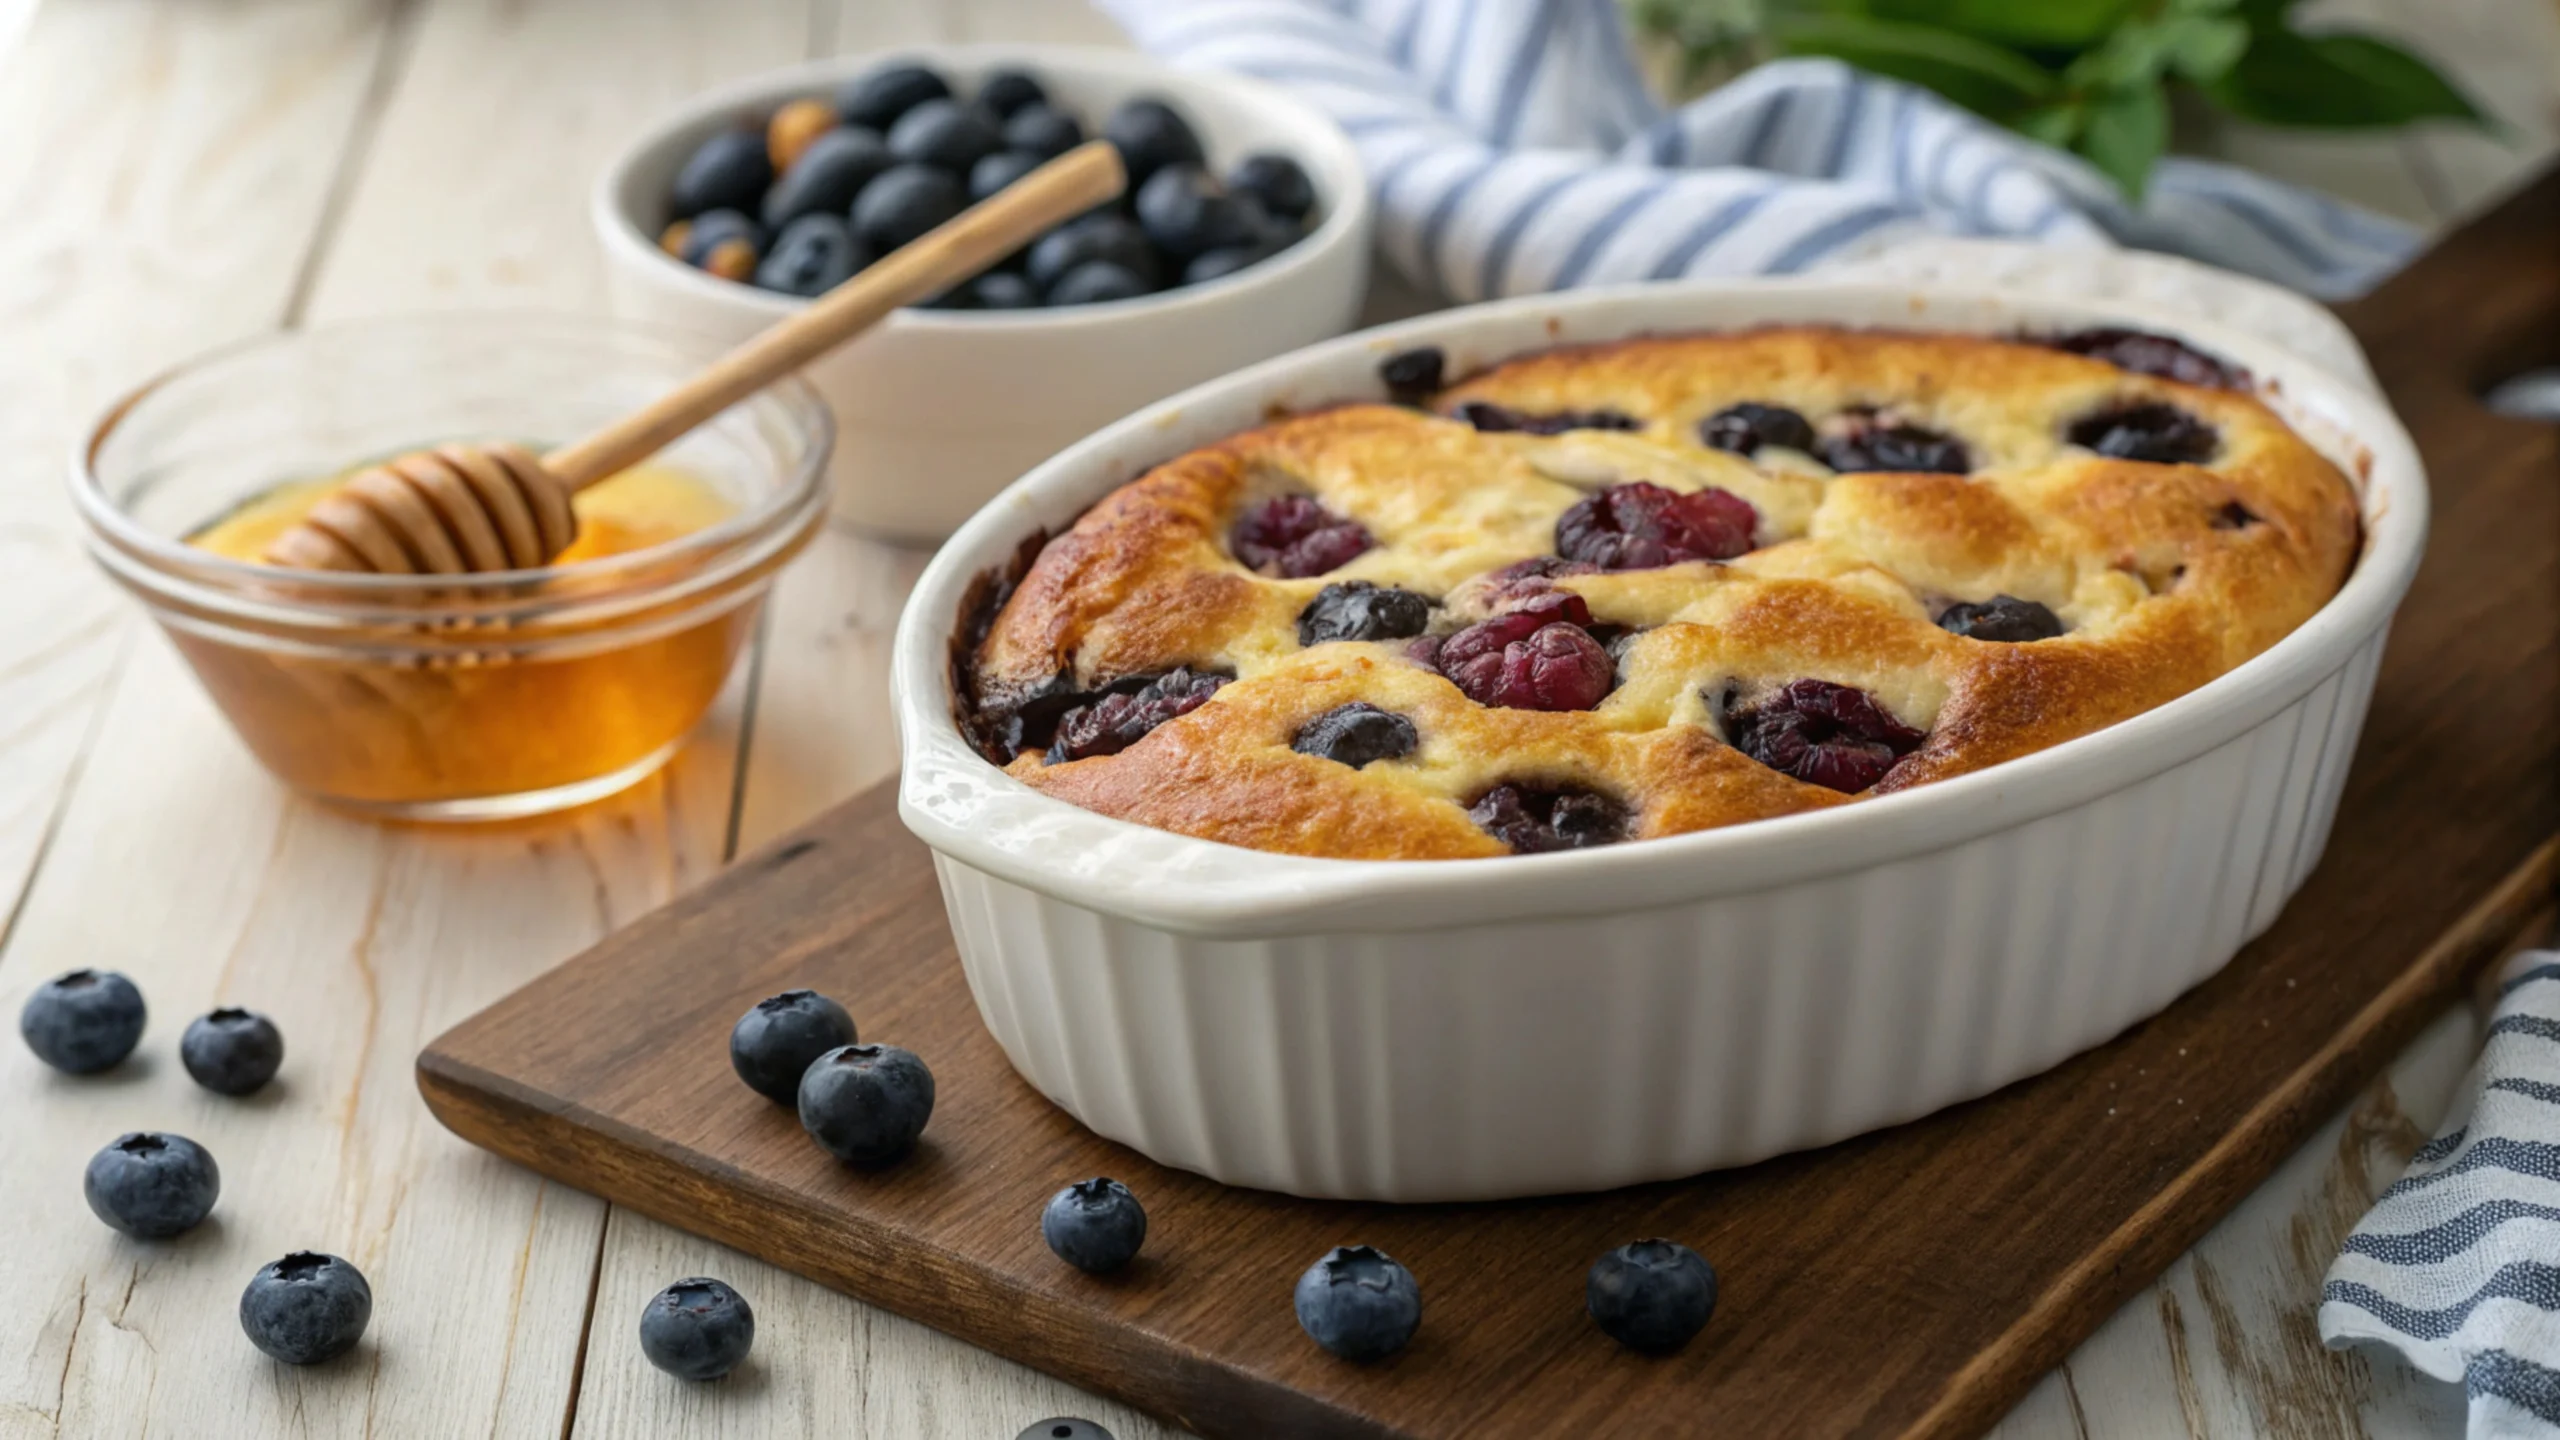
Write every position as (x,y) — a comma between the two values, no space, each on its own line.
(938,410)
(1416,1030)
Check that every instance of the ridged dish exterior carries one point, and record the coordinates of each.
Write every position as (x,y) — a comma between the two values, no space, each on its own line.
(1543,1057)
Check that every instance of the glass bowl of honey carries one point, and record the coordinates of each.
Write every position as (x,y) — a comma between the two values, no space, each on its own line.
(472,697)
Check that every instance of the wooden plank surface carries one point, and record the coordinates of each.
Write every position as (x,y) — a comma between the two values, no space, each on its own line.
(179,173)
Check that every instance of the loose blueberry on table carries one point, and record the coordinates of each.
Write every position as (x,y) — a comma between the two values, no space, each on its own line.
(899,150)
(152,1186)
(1095,1225)
(1063,1428)
(232,1052)
(866,1104)
(775,1042)
(1652,1295)
(1358,1303)
(698,1329)
(306,1308)
(83,1021)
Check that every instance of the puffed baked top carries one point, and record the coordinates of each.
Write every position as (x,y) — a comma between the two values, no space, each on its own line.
(1629,590)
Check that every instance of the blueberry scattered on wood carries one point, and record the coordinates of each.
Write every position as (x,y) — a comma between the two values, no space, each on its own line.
(1095,1225)
(697,1329)
(1358,1303)
(232,1051)
(776,1041)
(152,1186)
(1651,1296)
(306,1308)
(866,1104)
(83,1021)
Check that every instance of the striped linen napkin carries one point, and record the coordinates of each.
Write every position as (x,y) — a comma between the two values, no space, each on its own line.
(2457,1266)
(1514,148)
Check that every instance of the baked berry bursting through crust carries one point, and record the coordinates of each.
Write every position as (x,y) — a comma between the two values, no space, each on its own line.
(1637,589)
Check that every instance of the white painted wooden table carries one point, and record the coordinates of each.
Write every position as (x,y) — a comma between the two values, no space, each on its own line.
(177,173)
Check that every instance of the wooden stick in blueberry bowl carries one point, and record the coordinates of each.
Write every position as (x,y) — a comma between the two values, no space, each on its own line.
(464,509)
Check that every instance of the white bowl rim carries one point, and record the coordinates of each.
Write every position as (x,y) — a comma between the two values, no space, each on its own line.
(1319,143)
(975,814)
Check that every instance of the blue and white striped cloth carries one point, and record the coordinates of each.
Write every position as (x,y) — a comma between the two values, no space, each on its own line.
(2457,1267)
(1513,148)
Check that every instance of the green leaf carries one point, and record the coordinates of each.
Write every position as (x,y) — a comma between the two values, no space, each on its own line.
(2204,48)
(1976,74)
(2337,81)
(2126,132)
(2068,24)
(2056,125)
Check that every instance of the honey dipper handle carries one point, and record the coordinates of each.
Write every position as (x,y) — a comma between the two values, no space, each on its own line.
(954,251)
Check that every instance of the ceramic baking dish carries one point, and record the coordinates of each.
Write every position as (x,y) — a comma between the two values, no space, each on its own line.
(1407,1030)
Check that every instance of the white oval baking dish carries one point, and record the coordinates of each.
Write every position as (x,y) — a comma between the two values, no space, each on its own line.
(1461,1030)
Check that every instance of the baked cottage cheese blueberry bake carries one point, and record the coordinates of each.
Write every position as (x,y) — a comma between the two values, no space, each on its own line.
(1642,588)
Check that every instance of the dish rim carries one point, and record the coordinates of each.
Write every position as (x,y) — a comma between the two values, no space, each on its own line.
(971,812)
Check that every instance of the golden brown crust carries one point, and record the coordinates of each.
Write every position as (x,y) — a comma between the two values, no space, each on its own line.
(2162,588)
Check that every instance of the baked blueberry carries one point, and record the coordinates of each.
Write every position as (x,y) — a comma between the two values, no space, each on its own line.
(698,1329)
(1531,658)
(724,242)
(2149,430)
(1063,1427)
(773,1044)
(1041,131)
(1095,1225)
(945,134)
(83,1021)
(1356,734)
(1826,734)
(306,1308)
(1087,238)
(1117,719)
(1744,428)
(1218,264)
(1495,419)
(2005,619)
(232,1052)
(2146,354)
(1869,441)
(152,1186)
(1291,537)
(794,128)
(1095,282)
(1651,1296)
(879,96)
(1184,212)
(1362,610)
(1006,92)
(905,202)
(866,1103)
(1538,819)
(1358,1303)
(1642,526)
(996,171)
(2234,516)
(1412,375)
(826,177)
(729,171)
(1149,134)
(814,255)
(1278,182)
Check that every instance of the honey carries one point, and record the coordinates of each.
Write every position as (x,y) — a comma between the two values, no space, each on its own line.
(458,699)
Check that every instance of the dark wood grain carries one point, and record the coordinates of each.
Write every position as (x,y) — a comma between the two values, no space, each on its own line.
(1913,1282)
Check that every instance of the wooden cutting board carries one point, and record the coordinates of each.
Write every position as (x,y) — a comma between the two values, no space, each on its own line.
(1914,1282)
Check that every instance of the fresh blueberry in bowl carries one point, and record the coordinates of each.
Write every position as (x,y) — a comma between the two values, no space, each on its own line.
(1008,92)
(997,170)
(1042,131)
(878,97)
(1218,264)
(1101,236)
(724,242)
(152,1186)
(995,290)
(306,1308)
(232,1051)
(1150,134)
(829,173)
(1096,282)
(83,1021)
(1651,1296)
(729,171)
(1277,182)
(1095,1225)
(905,202)
(866,1104)
(1358,1303)
(773,1044)
(697,1329)
(945,134)
(1185,213)
(813,255)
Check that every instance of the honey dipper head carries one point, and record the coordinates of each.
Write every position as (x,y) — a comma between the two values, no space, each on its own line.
(453,510)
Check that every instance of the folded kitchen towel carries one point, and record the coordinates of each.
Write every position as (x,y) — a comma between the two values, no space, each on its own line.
(2458,1265)
(1513,148)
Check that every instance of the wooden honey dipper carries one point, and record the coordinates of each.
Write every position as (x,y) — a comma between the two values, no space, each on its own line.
(463,509)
